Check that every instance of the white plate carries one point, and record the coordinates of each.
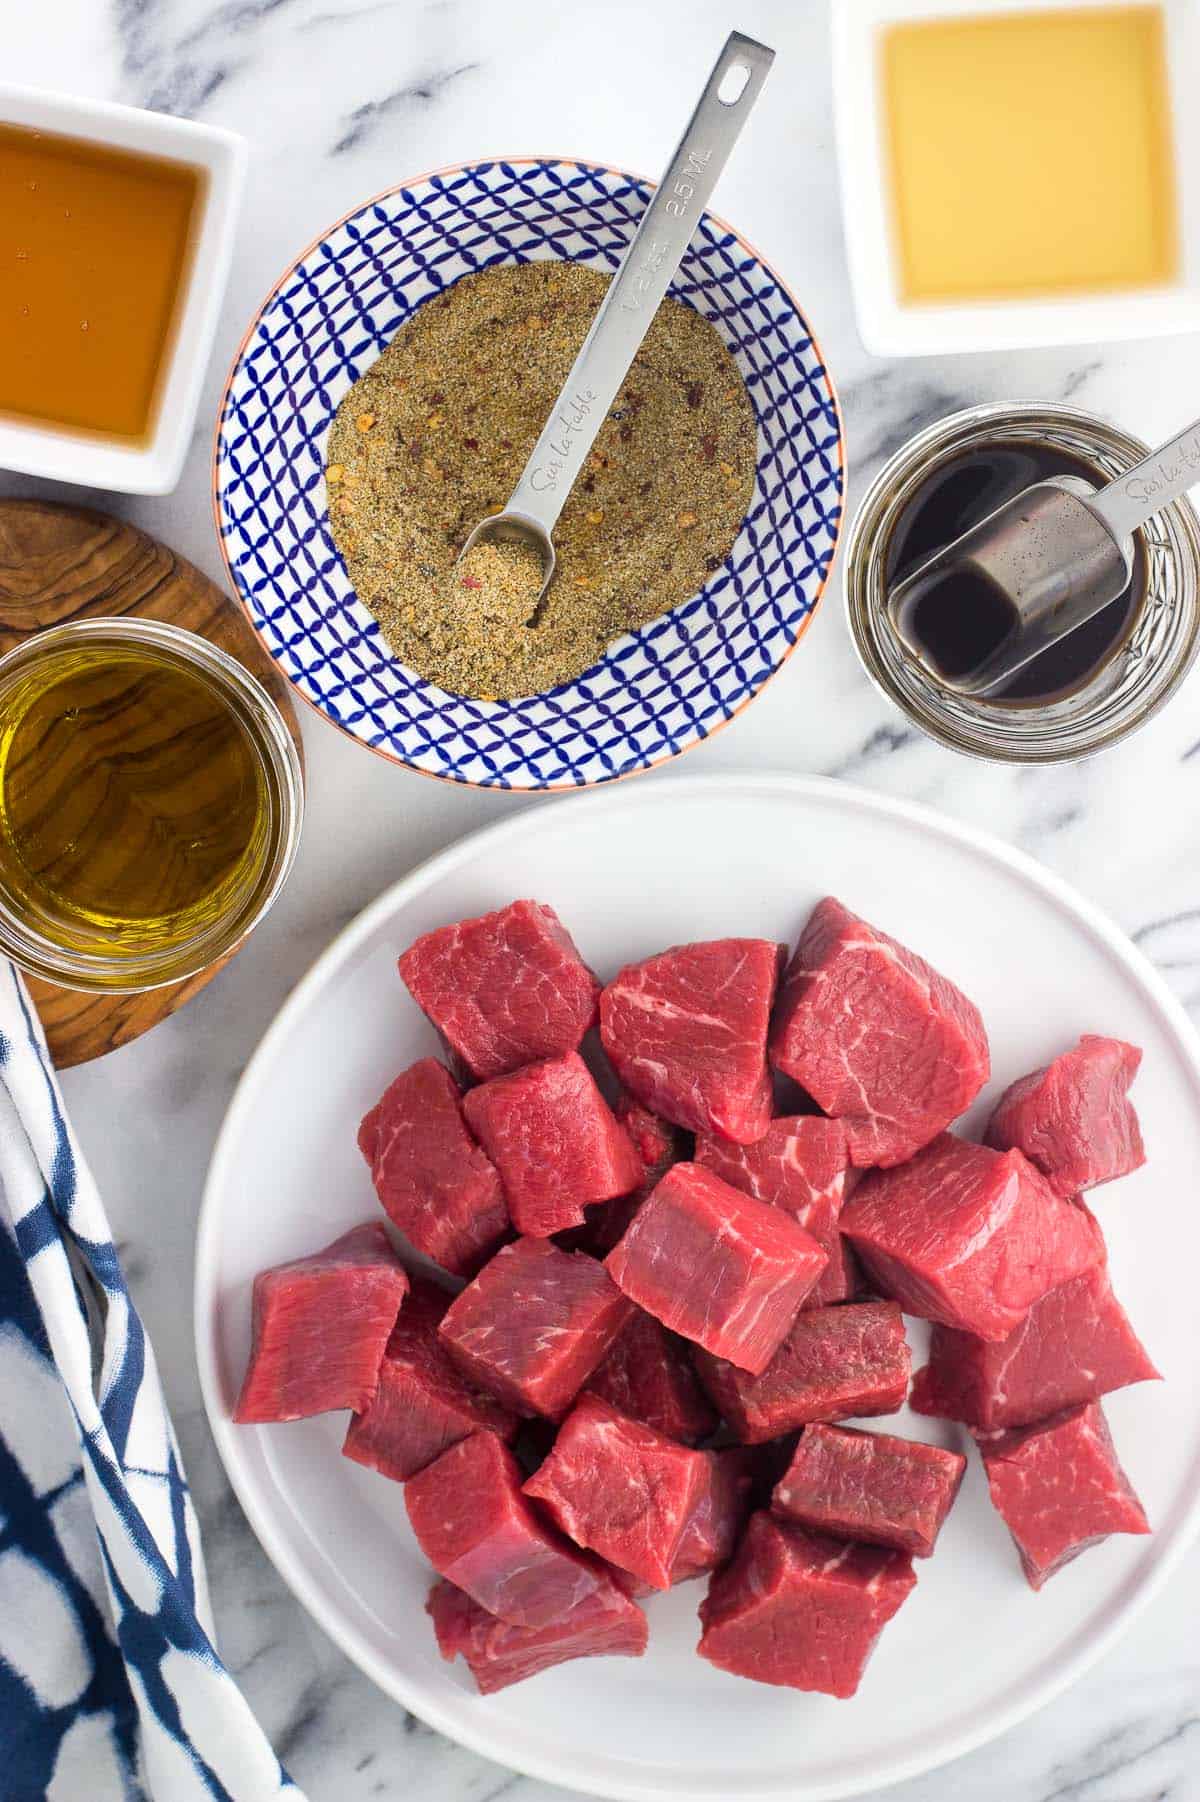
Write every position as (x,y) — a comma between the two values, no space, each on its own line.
(973,1650)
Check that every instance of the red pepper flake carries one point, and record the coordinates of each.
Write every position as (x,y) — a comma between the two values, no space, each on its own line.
(708,446)
(470,582)
(506,444)
(470,443)
(711,563)
(695,394)
(625,434)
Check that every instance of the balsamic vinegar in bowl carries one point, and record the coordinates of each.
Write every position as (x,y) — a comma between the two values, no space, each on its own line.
(962,622)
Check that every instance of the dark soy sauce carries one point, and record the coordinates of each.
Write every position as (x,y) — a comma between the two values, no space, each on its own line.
(960,627)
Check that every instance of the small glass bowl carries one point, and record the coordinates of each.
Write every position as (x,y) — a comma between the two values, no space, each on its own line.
(1142,674)
(102,964)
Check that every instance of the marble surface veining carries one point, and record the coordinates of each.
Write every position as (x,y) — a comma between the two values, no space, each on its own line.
(339,98)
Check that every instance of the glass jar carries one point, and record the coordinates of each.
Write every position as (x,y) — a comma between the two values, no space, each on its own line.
(1144,670)
(90,957)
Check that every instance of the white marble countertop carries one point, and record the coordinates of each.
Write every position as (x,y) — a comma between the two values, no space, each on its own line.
(339,98)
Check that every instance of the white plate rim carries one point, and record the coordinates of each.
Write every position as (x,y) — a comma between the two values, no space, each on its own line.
(475,1735)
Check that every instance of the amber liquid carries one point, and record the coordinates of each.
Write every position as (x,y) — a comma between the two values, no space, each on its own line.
(132,803)
(957,494)
(94,249)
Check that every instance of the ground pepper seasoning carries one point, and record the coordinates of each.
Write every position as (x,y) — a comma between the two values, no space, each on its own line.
(436,433)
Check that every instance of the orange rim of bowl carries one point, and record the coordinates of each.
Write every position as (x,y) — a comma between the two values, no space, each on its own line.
(520,162)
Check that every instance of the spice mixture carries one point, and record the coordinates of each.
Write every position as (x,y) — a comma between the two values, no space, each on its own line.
(434,436)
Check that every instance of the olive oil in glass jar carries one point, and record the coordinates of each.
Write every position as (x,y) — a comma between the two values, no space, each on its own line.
(150,801)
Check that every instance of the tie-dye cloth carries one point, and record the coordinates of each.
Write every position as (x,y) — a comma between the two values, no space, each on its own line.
(110,1689)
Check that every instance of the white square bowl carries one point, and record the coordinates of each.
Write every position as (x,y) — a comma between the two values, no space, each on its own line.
(893,327)
(151,467)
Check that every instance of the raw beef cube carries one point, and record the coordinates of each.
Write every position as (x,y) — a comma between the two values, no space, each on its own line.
(435,1183)
(801,1165)
(1074,1119)
(504,989)
(801,1610)
(477,1530)
(555,1141)
(534,1324)
(871,1487)
(621,1489)
(876,1036)
(968,1236)
(605,1624)
(835,1363)
(687,1034)
(715,1523)
(650,1376)
(1060,1488)
(1073,1346)
(423,1404)
(658,1145)
(320,1326)
(718,1266)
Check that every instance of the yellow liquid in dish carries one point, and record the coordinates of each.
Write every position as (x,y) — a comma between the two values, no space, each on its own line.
(1031,153)
(132,806)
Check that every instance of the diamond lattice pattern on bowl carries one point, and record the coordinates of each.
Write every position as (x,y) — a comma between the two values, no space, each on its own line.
(656,691)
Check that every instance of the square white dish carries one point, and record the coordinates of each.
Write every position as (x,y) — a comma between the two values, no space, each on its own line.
(891,326)
(152,467)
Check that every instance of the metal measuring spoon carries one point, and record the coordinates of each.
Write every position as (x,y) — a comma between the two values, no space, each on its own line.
(1044,563)
(663,234)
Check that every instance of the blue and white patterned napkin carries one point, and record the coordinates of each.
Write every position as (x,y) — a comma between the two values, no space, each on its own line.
(110,1688)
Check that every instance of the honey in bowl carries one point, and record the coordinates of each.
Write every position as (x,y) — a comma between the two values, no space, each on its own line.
(94,250)
(1031,153)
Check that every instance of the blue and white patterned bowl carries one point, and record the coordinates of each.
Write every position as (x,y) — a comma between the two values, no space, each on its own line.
(656,691)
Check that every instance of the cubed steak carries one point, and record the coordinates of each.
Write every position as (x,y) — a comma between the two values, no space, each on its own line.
(534,1325)
(504,989)
(871,1487)
(650,1376)
(555,1141)
(714,1526)
(802,1165)
(423,1404)
(1073,1346)
(605,1624)
(720,1267)
(658,1144)
(801,1610)
(319,1328)
(1074,1119)
(834,1364)
(968,1236)
(619,1488)
(433,1180)
(876,1036)
(1060,1489)
(479,1532)
(686,1032)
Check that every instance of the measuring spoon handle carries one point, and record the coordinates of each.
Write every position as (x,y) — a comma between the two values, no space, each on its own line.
(633,296)
(1163,476)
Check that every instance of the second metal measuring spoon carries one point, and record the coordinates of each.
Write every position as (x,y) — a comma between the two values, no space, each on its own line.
(1044,563)
(623,319)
